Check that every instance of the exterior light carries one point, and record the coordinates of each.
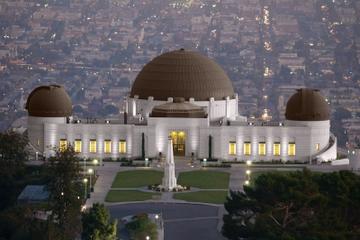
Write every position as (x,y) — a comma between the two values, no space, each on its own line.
(146,159)
(62,193)
(83,208)
(90,171)
(248,162)
(248,172)
(204,159)
(78,197)
(280,124)
(85,180)
(95,162)
(156,216)
(247,182)
(147,238)
(107,121)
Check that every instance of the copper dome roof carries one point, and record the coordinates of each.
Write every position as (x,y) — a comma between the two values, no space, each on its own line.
(178,109)
(184,74)
(49,101)
(307,105)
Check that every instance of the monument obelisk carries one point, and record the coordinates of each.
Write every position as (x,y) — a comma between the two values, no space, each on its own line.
(169,179)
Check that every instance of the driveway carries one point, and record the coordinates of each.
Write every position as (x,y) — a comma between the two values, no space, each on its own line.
(181,221)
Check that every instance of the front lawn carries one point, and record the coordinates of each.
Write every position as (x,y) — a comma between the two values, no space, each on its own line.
(215,197)
(205,179)
(129,196)
(137,178)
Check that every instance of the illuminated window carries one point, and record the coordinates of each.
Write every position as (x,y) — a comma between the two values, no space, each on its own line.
(63,145)
(107,146)
(78,145)
(276,149)
(232,148)
(122,146)
(247,148)
(317,147)
(262,148)
(92,146)
(291,149)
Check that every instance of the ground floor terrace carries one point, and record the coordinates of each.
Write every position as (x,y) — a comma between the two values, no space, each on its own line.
(198,212)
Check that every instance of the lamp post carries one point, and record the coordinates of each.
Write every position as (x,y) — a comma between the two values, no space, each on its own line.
(84,167)
(85,180)
(204,162)
(90,171)
(95,163)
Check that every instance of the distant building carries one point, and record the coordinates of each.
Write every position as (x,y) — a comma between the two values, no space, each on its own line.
(33,194)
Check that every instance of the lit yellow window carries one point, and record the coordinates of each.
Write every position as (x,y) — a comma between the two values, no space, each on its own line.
(107,146)
(276,149)
(92,146)
(122,146)
(291,149)
(63,145)
(247,148)
(262,148)
(232,148)
(317,147)
(78,146)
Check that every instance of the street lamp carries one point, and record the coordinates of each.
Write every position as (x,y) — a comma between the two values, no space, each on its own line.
(147,237)
(95,162)
(91,171)
(247,182)
(248,162)
(248,172)
(85,180)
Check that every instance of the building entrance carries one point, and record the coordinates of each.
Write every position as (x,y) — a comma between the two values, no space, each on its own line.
(178,139)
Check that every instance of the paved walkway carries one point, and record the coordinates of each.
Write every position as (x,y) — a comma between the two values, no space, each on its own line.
(106,174)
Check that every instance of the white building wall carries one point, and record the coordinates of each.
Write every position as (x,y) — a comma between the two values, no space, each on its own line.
(164,126)
(222,136)
(101,132)
(220,108)
(197,130)
(36,130)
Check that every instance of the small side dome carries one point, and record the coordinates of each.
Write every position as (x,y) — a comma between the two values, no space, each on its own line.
(49,101)
(178,109)
(307,105)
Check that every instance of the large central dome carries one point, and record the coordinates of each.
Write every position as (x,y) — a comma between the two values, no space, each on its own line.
(184,74)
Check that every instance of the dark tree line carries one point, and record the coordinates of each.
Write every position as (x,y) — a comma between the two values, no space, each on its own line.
(296,206)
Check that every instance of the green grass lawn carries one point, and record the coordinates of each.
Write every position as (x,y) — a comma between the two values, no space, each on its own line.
(128,196)
(205,179)
(137,178)
(215,197)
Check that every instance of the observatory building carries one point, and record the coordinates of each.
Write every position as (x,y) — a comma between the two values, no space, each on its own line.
(188,97)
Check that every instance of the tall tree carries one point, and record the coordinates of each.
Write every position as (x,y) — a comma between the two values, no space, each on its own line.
(296,205)
(97,225)
(64,199)
(142,146)
(13,154)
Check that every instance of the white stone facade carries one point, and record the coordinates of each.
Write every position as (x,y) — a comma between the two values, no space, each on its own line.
(311,139)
